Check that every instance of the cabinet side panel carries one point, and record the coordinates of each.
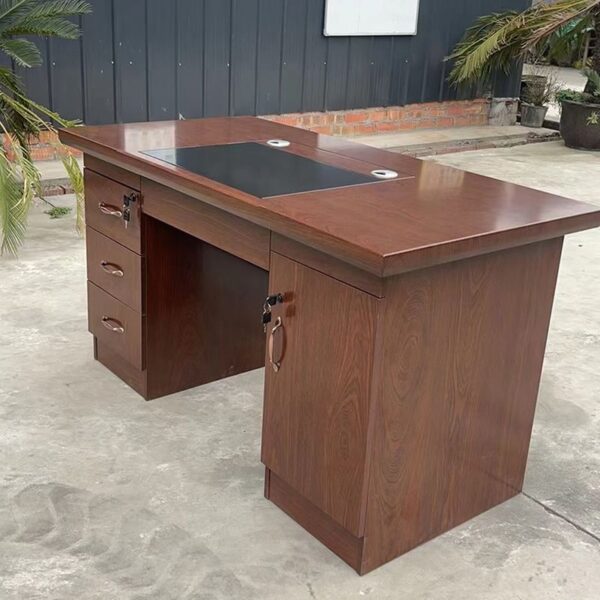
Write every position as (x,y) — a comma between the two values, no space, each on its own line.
(463,351)
(316,405)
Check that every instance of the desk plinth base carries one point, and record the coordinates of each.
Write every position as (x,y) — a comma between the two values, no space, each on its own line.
(351,549)
(348,547)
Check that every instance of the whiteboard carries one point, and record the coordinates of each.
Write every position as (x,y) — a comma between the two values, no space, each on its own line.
(371,17)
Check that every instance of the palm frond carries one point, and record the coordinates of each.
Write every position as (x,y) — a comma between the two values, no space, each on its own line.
(76,177)
(11,11)
(22,119)
(46,27)
(19,182)
(44,18)
(496,41)
(24,52)
(60,8)
(594,81)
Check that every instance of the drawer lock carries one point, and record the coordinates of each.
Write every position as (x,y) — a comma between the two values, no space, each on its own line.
(128,199)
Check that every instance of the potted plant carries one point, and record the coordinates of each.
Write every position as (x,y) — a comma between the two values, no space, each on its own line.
(580,114)
(21,119)
(496,42)
(535,100)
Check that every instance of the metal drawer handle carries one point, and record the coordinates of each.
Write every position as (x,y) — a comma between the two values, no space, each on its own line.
(113,325)
(110,210)
(112,269)
(278,325)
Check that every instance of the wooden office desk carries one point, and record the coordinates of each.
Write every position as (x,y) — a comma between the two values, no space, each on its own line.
(410,339)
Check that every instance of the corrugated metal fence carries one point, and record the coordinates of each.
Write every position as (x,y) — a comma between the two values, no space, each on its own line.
(144,60)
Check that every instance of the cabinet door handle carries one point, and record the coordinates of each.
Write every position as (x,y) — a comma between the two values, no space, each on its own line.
(276,364)
(112,269)
(110,210)
(113,325)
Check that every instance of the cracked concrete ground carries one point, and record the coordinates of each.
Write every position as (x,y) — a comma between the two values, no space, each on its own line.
(106,497)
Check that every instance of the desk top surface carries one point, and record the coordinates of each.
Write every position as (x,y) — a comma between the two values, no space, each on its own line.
(428,215)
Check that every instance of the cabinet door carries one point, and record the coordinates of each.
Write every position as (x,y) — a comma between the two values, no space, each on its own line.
(317,403)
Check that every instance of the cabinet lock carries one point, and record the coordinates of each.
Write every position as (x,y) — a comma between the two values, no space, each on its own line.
(270,301)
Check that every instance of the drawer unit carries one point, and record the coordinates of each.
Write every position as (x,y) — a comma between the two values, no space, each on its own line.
(105,203)
(115,325)
(114,268)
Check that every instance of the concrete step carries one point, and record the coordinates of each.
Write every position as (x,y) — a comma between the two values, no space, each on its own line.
(428,142)
(55,180)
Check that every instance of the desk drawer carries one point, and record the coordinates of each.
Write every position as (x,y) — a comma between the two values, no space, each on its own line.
(116,325)
(104,210)
(115,269)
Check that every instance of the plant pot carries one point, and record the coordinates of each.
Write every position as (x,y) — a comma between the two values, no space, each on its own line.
(533,82)
(533,116)
(576,127)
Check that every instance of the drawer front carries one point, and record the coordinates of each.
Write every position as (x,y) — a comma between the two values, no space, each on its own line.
(113,172)
(104,210)
(116,325)
(114,268)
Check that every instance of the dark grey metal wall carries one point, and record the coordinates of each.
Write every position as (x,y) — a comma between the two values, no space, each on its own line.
(144,60)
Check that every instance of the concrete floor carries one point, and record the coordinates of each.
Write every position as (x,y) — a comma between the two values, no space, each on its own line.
(106,497)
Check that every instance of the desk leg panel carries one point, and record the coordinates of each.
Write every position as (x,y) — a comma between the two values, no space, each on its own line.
(462,356)
(202,311)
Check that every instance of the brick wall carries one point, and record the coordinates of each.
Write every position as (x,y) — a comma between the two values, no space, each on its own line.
(46,147)
(460,113)
(368,121)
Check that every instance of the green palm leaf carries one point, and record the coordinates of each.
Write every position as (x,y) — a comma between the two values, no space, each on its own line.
(24,52)
(46,26)
(21,119)
(496,42)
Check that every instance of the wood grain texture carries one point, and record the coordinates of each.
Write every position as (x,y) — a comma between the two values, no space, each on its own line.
(102,250)
(129,344)
(333,267)
(203,309)
(114,362)
(462,357)
(315,521)
(99,189)
(316,406)
(122,176)
(232,234)
(439,215)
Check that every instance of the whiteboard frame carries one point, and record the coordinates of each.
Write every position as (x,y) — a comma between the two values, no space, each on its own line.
(326,33)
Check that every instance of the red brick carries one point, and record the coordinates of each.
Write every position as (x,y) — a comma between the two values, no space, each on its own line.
(322,129)
(53,190)
(387,126)
(464,121)
(378,115)
(407,124)
(286,119)
(356,117)
(445,122)
(66,150)
(365,129)
(43,153)
(428,123)
(348,130)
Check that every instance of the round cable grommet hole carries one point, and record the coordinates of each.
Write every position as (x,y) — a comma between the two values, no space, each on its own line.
(384,174)
(278,143)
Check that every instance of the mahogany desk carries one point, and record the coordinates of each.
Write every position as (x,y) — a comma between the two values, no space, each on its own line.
(410,338)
